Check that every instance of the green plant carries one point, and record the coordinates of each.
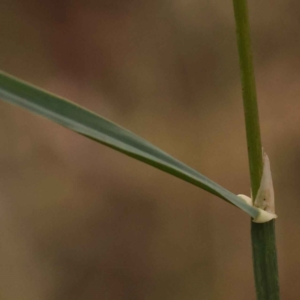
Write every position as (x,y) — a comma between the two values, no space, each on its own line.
(263,235)
(105,132)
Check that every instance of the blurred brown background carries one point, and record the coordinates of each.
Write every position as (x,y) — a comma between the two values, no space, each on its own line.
(81,221)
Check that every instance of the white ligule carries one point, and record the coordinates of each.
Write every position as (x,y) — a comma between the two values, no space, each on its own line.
(264,200)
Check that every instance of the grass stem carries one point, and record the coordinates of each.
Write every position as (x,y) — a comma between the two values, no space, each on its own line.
(263,235)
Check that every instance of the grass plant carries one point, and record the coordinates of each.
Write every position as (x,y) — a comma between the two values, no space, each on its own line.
(101,130)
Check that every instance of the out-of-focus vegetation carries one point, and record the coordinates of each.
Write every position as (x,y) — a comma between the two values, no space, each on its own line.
(78,228)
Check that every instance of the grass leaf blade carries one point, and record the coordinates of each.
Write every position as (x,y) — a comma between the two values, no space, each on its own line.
(105,132)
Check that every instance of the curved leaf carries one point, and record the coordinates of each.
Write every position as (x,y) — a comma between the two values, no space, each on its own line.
(105,132)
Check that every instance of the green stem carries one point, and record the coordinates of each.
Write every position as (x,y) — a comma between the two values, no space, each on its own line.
(263,235)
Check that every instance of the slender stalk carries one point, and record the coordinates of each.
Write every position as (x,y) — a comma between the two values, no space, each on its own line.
(263,235)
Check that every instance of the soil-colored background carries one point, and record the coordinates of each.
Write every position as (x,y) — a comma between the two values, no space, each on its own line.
(80,221)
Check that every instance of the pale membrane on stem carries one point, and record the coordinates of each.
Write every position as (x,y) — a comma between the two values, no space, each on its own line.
(264,200)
